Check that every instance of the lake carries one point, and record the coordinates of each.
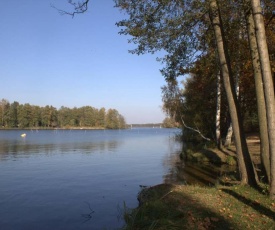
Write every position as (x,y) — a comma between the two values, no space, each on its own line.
(80,179)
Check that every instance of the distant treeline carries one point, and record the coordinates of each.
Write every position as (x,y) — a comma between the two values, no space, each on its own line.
(149,125)
(15,115)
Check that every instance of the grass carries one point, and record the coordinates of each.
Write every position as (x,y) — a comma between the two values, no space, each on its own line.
(192,207)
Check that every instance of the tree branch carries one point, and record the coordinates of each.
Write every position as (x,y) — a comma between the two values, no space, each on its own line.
(195,130)
(78,8)
(273,15)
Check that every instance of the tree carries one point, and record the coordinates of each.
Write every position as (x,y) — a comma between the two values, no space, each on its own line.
(24,115)
(183,102)
(114,120)
(218,112)
(268,86)
(87,116)
(122,122)
(169,122)
(101,117)
(172,99)
(64,116)
(178,27)
(79,7)
(259,90)
(17,115)
(74,118)
(244,160)
(36,116)
(4,108)
(13,120)
(49,116)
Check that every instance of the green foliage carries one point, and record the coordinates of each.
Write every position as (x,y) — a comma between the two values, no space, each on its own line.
(4,114)
(172,26)
(182,29)
(13,111)
(17,115)
(114,120)
(200,155)
(49,116)
(169,122)
(230,160)
(197,157)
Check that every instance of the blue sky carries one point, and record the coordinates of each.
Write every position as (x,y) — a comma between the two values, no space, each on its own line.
(49,59)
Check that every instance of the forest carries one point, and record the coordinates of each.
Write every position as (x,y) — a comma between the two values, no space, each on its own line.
(16,115)
(224,52)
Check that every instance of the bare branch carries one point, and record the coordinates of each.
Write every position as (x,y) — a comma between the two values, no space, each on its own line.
(79,7)
(195,130)
(273,16)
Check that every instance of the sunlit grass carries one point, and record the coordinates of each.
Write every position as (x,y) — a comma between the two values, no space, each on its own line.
(194,207)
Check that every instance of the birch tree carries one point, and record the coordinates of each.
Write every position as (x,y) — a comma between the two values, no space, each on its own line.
(244,160)
(218,111)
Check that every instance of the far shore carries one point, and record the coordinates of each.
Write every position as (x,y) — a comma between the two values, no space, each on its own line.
(51,128)
(84,128)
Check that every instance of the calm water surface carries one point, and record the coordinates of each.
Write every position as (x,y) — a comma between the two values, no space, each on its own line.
(79,179)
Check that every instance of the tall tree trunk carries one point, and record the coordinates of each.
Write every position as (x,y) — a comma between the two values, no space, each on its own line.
(228,139)
(265,156)
(218,111)
(246,169)
(268,86)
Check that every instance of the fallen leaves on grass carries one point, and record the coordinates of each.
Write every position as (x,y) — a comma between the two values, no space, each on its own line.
(237,207)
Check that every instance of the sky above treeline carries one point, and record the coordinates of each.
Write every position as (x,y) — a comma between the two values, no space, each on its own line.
(49,59)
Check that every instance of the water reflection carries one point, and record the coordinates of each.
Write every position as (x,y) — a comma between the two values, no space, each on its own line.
(48,177)
(53,143)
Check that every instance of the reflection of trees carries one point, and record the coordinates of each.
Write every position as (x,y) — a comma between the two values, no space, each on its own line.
(193,173)
(22,148)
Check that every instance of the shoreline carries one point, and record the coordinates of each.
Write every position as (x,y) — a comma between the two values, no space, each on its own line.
(226,205)
(169,206)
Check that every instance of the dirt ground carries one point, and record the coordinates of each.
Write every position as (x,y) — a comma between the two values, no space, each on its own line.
(253,143)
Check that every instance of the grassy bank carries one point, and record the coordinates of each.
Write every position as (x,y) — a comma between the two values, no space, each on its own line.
(192,207)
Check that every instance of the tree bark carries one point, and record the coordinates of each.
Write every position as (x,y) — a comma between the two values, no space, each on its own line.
(246,169)
(218,111)
(268,86)
(228,139)
(265,156)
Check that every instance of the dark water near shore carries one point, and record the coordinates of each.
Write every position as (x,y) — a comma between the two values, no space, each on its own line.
(80,179)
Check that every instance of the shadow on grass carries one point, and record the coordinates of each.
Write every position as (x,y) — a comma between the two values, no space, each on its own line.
(200,173)
(253,204)
(167,208)
(212,156)
(196,173)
